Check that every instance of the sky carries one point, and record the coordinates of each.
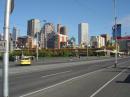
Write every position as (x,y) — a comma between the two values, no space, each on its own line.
(99,14)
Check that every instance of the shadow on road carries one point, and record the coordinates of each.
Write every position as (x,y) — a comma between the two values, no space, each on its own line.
(124,67)
(127,80)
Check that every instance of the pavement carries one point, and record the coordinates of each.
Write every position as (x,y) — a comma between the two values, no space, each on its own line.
(76,79)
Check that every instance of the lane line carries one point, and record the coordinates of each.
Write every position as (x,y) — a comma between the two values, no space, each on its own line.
(84,75)
(55,74)
(106,84)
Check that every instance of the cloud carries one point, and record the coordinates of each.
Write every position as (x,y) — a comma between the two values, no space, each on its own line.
(125,21)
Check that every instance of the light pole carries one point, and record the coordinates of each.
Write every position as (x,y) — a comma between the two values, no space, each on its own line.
(45,36)
(88,42)
(37,45)
(37,39)
(6,53)
(115,27)
(87,48)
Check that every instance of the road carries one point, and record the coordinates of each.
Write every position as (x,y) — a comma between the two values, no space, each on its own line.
(93,79)
(52,60)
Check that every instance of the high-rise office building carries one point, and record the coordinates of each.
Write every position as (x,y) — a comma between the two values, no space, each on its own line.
(116,31)
(107,38)
(49,28)
(33,27)
(62,36)
(14,36)
(46,34)
(15,33)
(83,33)
(33,30)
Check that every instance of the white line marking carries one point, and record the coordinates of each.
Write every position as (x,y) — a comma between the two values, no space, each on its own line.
(25,95)
(87,74)
(55,74)
(107,83)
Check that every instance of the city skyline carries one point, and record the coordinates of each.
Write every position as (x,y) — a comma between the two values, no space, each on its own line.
(100,19)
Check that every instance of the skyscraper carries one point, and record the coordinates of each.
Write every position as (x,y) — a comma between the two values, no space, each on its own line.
(116,31)
(15,33)
(107,38)
(83,33)
(46,34)
(33,30)
(33,27)
(62,36)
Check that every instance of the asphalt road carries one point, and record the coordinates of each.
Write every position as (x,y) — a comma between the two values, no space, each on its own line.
(97,79)
(56,60)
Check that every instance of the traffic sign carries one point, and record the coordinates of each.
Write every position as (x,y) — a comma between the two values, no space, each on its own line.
(2,46)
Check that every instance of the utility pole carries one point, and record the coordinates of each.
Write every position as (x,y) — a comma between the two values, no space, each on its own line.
(88,42)
(45,38)
(115,27)
(87,47)
(6,53)
(37,45)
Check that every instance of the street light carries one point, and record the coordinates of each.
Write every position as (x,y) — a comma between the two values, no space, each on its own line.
(37,45)
(45,35)
(6,53)
(115,17)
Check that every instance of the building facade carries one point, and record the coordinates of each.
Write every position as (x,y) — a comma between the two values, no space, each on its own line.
(107,38)
(97,41)
(15,35)
(62,36)
(47,35)
(83,33)
(124,44)
(22,42)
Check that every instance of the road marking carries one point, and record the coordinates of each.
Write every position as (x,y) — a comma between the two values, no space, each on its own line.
(55,74)
(84,75)
(95,93)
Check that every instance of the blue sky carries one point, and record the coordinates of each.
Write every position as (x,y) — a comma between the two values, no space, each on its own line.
(99,14)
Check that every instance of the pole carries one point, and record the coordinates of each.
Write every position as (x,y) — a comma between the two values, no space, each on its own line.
(6,53)
(37,46)
(115,33)
(45,38)
(87,50)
